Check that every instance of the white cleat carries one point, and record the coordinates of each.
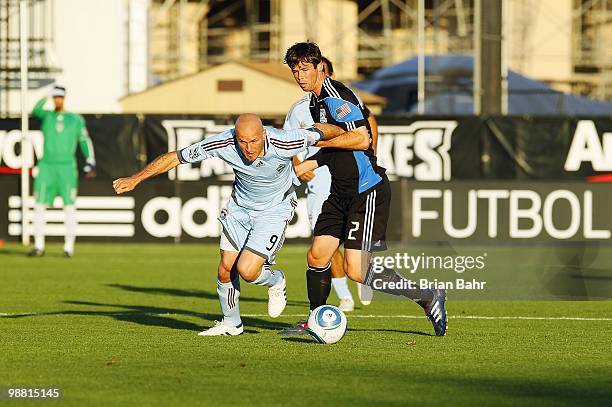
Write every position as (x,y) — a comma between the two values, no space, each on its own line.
(347,304)
(277,298)
(365,294)
(219,329)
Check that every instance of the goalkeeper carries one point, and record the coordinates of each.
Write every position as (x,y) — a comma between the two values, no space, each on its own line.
(57,169)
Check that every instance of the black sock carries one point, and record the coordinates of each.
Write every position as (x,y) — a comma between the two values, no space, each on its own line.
(318,282)
(382,279)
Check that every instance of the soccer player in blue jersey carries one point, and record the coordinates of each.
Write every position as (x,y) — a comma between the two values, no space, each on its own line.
(262,203)
(357,210)
(319,184)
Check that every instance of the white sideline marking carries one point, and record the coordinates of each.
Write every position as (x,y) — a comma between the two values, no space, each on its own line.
(350,316)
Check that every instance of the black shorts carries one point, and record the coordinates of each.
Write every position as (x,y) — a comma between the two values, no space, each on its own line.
(359,222)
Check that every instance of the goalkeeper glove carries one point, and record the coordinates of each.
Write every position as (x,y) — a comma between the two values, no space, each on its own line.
(89,169)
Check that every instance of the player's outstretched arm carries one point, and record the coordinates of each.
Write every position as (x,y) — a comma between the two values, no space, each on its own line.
(336,137)
(161,164)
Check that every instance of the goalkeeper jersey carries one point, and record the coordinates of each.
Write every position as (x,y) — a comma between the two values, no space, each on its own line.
(62,132)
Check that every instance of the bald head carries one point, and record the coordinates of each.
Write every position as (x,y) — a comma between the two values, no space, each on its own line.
(250,135)
(249,123)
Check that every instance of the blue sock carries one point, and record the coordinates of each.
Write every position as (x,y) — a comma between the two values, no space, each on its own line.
(229,299)
(268,277)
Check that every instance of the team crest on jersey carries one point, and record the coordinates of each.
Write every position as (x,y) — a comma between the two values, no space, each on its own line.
(322,116)
(343,110)
(280,168)
(224,213)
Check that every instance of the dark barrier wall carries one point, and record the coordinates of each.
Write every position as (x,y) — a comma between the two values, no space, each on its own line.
(459,211)
(424,148)
(546,148)
(527,156)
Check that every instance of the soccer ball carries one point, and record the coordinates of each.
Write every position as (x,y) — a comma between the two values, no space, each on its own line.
(327,324)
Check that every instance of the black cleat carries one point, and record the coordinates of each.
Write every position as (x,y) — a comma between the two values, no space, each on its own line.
(436,312)
(300,328)
(36,253)
(67,254)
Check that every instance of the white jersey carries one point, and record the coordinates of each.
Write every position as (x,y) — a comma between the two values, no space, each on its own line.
(299,117)
(268,180)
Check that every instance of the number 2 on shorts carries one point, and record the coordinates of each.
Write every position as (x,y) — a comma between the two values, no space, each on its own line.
(350,233)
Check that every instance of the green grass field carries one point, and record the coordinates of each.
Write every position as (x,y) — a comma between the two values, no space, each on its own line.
(117,324)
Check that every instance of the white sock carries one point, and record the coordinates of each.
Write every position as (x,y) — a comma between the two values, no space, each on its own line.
(268,277)
(229,299)
(39,226)
(341,287)
(71,225)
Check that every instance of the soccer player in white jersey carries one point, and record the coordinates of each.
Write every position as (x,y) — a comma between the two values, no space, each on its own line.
(262,203)
(319,183)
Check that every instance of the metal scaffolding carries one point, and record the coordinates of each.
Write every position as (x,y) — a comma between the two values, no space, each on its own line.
(40,45)
(591,51)
(189,35)
(231,29)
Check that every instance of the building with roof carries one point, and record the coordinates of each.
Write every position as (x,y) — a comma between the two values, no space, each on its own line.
(264,88)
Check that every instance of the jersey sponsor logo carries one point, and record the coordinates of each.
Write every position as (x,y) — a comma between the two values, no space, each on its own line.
(59,127)
(419,150)
(322,116)
(343,110)
(586,147)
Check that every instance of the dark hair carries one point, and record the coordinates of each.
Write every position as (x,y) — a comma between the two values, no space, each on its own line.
(307,52)
(330,67)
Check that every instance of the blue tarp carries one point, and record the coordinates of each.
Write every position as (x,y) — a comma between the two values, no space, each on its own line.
(449,90)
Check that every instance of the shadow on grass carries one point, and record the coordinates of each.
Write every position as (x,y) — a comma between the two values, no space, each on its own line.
(24,253)
(155,316)
(523,391)
(9,252)
(191,293)
(392,330)
(307,340)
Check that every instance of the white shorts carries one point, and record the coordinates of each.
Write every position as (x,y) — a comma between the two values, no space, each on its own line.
(261,232)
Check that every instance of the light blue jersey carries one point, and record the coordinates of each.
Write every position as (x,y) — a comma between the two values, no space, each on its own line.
(263,199)
(299,116)
(268,180)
